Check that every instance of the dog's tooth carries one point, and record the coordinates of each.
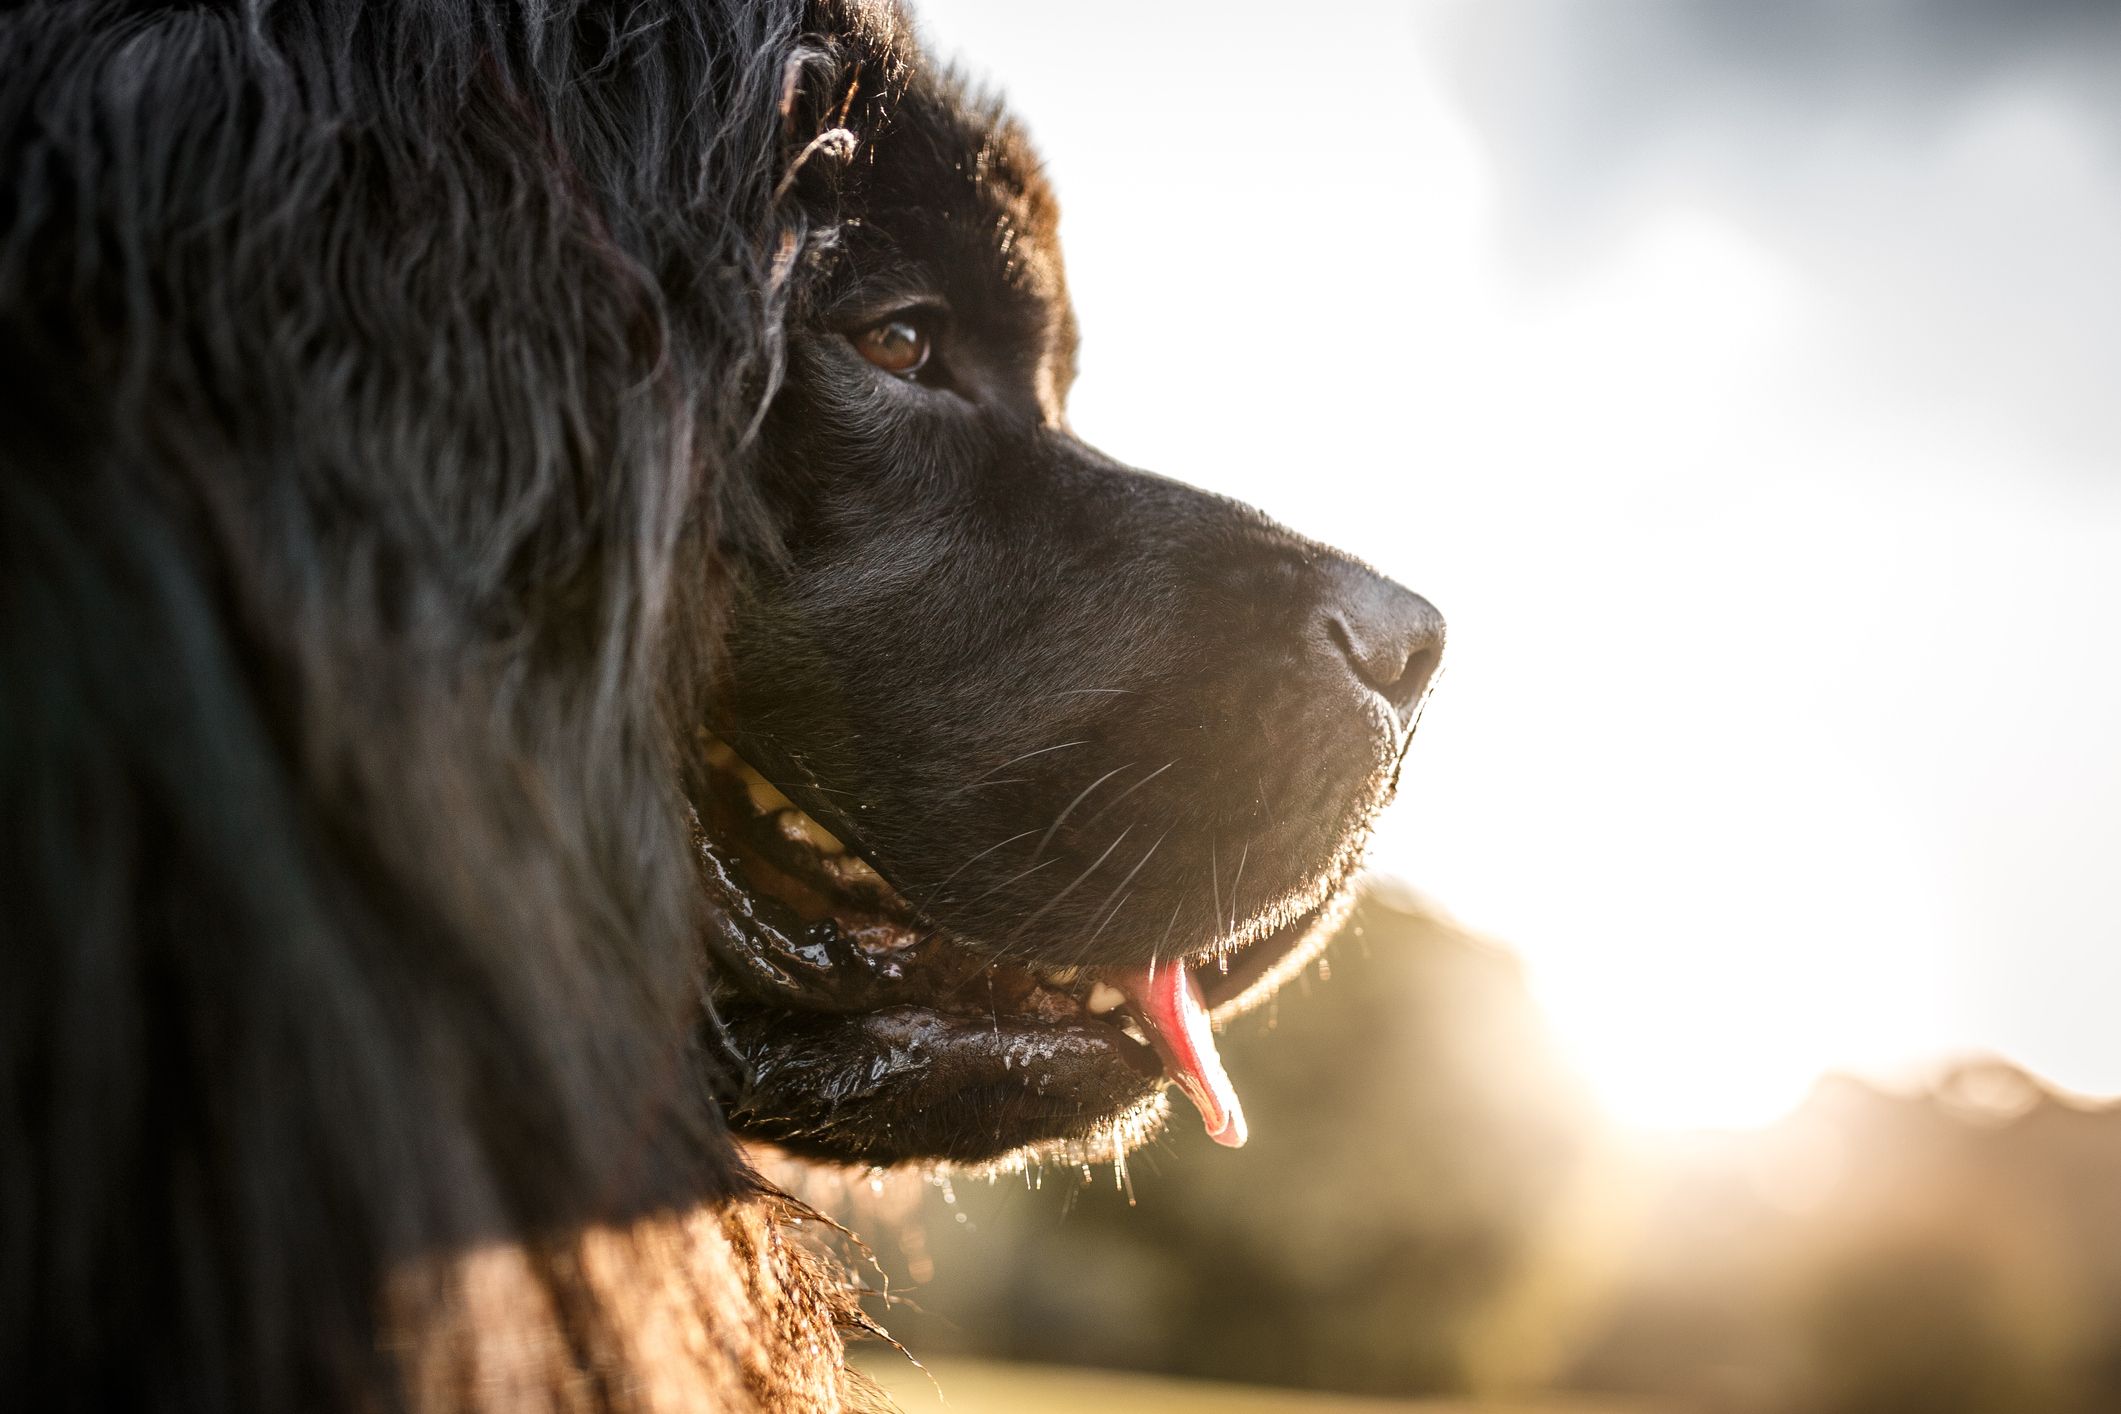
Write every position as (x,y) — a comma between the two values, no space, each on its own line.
(797,826)
(766,798)
(1105,998)
(1064,976)
(857,871)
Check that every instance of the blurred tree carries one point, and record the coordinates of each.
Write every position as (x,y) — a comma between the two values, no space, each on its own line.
(1430,1203)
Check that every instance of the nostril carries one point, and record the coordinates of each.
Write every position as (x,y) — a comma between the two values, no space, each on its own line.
(1390,669)
(1391,639)
(1414,675)
(1338,632)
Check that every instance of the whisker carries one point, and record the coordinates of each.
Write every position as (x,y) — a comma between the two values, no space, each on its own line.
(1215,883)
(1010,880)
(1109,916)
(1061,818)
(1049,905)
(1235,880)
(1167,929)
(1097,813)
(1062,746)
(1108,909)
(981,855)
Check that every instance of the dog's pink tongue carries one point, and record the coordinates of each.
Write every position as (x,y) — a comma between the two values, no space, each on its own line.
(1172,1012)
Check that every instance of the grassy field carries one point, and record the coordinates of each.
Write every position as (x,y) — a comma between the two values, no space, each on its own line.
(980,1387)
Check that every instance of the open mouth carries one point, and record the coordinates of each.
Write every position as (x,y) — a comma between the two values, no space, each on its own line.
(865,1029)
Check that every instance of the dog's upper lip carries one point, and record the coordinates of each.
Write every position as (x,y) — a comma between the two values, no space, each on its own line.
(872,951)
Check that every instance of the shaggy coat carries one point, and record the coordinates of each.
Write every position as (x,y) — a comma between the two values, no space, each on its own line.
(375,377)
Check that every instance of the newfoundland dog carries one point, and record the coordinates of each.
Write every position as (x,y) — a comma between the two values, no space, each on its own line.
(553,622)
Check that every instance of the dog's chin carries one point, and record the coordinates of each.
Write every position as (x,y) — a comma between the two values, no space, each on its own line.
(855,1030)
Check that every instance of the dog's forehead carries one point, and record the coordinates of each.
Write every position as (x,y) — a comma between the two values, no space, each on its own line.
(929,123)
(954,180)
(1010,195)
(961,159)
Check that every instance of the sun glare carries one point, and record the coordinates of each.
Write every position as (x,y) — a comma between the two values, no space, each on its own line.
(1684,997)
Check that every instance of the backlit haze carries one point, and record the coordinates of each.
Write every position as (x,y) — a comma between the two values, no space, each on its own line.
(1744,394)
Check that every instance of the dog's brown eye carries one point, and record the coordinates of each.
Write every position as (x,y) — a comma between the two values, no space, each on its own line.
(898,345)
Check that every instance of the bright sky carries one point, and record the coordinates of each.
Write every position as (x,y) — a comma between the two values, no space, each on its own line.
(1780,536)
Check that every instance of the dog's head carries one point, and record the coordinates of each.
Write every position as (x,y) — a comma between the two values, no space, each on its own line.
(449,444)
(1025,767)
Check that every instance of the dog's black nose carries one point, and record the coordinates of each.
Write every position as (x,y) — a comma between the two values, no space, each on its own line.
(1391,638)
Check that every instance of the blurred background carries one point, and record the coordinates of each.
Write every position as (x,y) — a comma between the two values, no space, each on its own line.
(1729,1022)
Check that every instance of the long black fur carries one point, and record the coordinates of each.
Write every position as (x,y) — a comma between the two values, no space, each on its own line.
(368,377)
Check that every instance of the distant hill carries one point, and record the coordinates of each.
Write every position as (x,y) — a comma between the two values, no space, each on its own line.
(1952,1251)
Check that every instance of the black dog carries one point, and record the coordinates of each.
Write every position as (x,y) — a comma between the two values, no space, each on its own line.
(517,521)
